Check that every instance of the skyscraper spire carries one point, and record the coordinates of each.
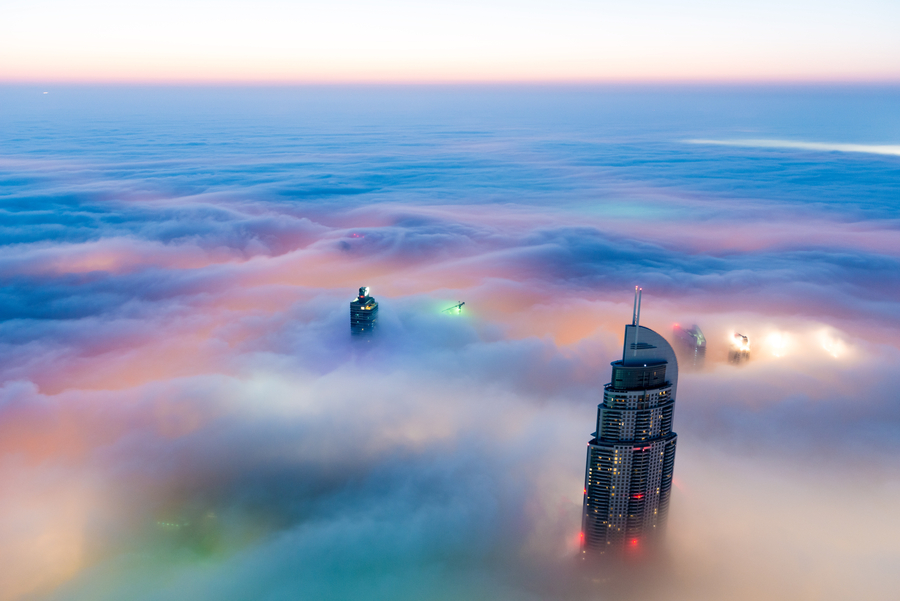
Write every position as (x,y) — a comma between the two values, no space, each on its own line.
(635,318)
(636,312)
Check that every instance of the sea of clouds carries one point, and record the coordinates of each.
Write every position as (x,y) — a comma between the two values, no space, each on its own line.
(184,415)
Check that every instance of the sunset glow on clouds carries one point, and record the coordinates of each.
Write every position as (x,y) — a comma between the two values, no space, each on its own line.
(183,413)
(407,41)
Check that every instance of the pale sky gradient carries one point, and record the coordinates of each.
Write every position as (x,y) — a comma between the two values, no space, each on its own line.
(488,40)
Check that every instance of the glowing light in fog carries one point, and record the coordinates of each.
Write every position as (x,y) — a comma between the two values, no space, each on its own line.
(833,345)
(739,342)
(778,343)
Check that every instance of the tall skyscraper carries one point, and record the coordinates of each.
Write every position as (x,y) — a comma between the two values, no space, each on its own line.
(363,313)
(630,460)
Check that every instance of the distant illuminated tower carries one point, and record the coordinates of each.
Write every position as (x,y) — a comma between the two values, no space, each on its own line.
(363,313)
(692,343)
(740,349)
(630,460)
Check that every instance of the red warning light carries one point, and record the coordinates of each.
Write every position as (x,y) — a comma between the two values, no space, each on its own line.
(640,495)
(633,542)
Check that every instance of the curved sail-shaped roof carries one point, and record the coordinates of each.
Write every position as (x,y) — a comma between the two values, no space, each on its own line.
(643,345)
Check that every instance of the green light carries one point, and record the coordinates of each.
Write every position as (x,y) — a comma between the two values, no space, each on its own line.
(458,307)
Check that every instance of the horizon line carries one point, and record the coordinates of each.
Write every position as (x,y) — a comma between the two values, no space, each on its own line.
(438,82)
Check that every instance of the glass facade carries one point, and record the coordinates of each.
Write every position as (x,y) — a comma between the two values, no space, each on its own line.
(692,345)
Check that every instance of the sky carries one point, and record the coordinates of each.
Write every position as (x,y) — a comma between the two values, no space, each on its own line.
(270,41)
(183,413)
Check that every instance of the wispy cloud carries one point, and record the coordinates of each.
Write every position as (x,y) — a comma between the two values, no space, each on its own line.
(884,149)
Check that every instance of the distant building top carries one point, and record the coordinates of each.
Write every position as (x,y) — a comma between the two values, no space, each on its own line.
(363,313)
(692,345)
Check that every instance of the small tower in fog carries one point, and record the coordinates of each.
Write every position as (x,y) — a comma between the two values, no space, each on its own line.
(363,313)
(692,344)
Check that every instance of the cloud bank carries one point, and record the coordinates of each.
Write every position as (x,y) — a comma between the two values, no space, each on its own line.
(184,414)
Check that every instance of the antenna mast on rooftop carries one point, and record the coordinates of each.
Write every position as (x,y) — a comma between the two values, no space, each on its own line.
(636,313)
(636,318)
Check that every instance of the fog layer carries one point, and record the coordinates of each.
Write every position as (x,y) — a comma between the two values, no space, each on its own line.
(183,412)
